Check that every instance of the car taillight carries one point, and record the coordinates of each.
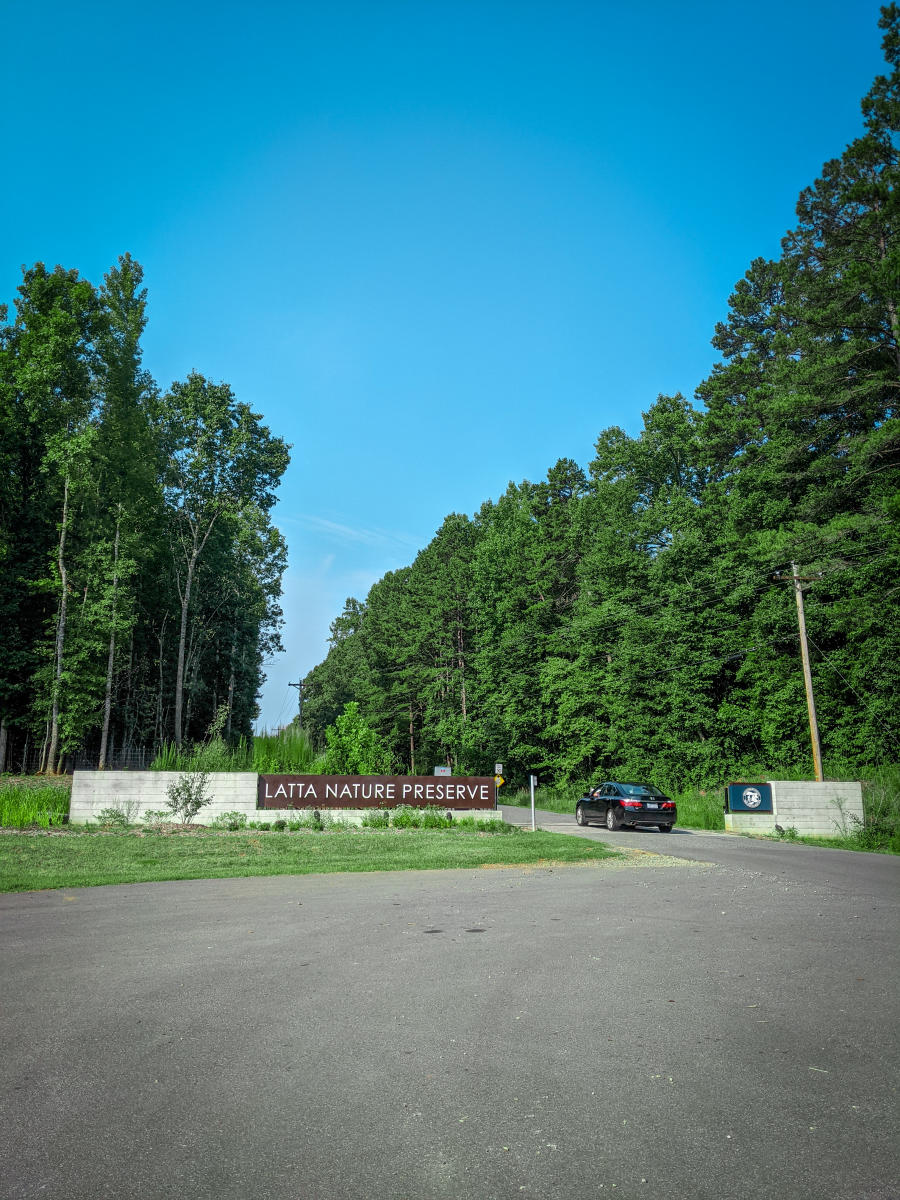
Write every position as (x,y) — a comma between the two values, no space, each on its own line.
(631,804)
(667,804)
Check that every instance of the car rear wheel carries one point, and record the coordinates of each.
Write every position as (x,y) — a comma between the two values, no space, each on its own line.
(613,820)
(664,828)
(580,818)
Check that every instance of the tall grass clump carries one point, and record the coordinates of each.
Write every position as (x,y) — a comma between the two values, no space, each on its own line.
(698,809)
(23,804)
(880,829)
(288,751)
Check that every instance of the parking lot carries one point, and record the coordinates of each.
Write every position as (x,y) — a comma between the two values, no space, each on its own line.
(719,1022)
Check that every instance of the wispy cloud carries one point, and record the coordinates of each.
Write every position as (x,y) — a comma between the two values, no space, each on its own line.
(386,539)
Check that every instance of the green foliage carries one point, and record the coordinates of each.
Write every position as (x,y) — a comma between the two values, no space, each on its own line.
(186,795)
(353,748)
(289,751)
(112,818)
(230,820)
(154,817)
(139,570)
(376,818)
(406,817)
(23,804)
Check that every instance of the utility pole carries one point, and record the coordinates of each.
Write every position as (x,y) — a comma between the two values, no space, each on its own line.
(807,677)
(299,687)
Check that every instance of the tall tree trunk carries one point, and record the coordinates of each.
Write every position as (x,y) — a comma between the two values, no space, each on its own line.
(3,739)
(230,692)
(128,733)
(159,738)
(42,761)
(461,661)
(60,631)
(412,743)
(197,545)
(107,703)
(182,641)
(193,670)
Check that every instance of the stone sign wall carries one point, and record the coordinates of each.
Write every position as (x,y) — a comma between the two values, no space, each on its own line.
(134,792)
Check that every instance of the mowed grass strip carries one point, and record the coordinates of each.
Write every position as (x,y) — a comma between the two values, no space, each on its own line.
(29,862)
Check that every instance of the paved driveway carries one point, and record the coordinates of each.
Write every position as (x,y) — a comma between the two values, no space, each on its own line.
(664,1028)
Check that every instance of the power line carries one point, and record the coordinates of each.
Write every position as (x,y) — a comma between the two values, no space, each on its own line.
(859,697)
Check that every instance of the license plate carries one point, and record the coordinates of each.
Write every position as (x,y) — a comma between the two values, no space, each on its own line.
(650,804)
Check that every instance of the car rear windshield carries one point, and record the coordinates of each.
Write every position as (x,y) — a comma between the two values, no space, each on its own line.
(640,789)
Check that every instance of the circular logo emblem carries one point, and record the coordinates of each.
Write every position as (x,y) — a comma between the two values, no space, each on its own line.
(751,797)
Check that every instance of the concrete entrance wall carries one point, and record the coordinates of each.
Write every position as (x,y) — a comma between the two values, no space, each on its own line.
(813,809)
(134,792)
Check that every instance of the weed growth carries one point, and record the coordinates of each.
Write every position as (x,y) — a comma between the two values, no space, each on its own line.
(287,752)
(23,804)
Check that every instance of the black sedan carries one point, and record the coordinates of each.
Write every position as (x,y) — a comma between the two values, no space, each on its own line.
(618,804)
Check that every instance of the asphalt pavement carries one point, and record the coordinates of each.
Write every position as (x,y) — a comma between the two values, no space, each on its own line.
(718,1020)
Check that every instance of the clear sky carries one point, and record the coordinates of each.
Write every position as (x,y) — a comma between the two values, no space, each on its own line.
(438,245)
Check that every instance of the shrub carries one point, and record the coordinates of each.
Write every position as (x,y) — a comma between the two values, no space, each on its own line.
(404,817)
(354,748)
(436,818)
(157,816)
(187,795)
(112,818)
(230,820)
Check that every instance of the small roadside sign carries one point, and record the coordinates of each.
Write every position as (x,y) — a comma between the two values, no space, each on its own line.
(442,770)
(498,768)
(499,780)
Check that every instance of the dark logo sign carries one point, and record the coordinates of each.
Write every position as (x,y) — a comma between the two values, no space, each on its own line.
(750,797)
(373,791)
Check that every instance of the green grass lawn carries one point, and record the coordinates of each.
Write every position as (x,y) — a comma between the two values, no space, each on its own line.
(84,859)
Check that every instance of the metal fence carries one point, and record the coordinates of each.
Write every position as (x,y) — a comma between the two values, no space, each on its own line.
(23,757)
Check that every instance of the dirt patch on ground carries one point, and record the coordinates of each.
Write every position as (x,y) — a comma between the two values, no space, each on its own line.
(625,857)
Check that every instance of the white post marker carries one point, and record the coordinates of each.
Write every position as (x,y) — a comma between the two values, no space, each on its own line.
(533,782)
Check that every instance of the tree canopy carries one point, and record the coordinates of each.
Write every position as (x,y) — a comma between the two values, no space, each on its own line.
(139,571)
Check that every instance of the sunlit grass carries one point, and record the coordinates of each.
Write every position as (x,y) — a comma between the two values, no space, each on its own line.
(24,803)
(289,751)
(84,859)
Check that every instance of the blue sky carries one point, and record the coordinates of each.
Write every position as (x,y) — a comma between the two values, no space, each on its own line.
(439,246)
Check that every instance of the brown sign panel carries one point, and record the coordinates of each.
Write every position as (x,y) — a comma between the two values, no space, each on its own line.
(374,791)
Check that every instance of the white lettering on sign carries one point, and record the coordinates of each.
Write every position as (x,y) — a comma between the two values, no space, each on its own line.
(368,791)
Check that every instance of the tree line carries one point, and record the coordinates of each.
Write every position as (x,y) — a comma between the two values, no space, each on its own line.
(638,617)
(139,570)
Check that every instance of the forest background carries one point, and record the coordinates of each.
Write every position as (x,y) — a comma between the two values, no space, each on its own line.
(638,618)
